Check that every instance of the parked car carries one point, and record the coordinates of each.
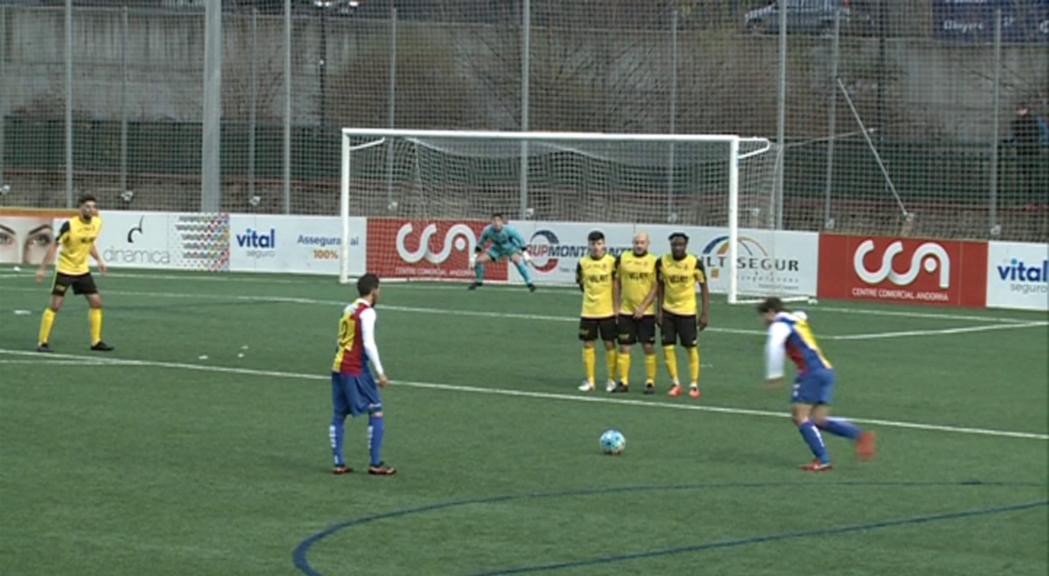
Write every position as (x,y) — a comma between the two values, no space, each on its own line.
(805,17)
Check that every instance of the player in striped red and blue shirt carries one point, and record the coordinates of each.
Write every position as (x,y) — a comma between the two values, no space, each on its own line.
(353,389)
(789,335)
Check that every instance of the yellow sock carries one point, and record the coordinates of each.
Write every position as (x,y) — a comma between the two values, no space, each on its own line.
(94,317)
(693,364)
(589,363)
(671,361)
(46,321)
(624,368)
(610,362)
(650,367)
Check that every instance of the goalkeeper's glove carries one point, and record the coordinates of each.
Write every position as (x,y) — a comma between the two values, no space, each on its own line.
(525,256)
(472,263)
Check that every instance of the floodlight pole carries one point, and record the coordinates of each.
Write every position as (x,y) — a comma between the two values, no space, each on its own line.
(526,49)
(995,125)
(832,118)
(69,103)
(781,123)
(673,113)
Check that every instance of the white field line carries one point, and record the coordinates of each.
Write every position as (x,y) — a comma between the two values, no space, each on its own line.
(84,362)
(915,314)
(556,289)
(594,397)
(938,332)
(1013,324)
(211,278)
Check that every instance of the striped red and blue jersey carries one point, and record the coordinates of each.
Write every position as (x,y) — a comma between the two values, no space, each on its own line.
(789,335)
(350,357)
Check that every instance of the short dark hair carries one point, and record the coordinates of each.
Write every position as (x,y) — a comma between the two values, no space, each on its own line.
(595,235)
(770,304)
(367,284)
(85,198)
(498,215)
(681,235)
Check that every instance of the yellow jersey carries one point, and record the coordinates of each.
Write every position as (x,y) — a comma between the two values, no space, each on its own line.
(76,238)
(596,277)
(637,278)
(679,278)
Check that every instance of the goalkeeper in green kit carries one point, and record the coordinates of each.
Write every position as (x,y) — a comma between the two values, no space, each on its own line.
(505,242)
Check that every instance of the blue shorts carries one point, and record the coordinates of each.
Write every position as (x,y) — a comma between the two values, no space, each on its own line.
(354,395)
(495,252)
(814,387)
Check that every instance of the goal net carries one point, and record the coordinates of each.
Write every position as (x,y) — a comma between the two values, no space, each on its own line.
(425,196)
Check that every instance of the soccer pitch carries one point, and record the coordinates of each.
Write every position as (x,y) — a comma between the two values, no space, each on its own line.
(200,446)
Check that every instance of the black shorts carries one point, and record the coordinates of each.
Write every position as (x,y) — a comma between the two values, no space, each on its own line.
(81,283)
(679,328)
(590,327)
(632,331)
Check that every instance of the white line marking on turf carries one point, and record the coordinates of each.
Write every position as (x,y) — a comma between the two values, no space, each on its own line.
(1012,323)
(84,362)
(539,395)
(939,332)
(557,289)
(916,314)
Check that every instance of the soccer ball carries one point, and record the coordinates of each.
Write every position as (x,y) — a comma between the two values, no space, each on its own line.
(613,442)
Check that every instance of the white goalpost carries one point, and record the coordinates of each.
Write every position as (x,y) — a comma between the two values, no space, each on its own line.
(434,185)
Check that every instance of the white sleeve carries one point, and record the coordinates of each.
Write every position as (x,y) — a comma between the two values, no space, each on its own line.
(775,350)
(368,334)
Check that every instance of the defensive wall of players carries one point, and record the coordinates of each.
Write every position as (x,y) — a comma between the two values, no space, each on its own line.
(806,264)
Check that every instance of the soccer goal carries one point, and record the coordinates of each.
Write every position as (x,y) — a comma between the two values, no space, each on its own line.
(426,195)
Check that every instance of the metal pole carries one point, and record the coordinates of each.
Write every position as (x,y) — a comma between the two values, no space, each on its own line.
(832,118)
(781,123)
(733,219)
(673,113)
(995,229)
(526,48)
(287,107)
(69,103)
(211,168)
(344,208)
(391,107)
(123,100)
(324,68)
(253,94)
(3,101)
(883,31)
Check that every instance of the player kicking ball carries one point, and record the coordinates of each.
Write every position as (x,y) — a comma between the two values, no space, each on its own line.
(506,242)
(789,335)
(353,389)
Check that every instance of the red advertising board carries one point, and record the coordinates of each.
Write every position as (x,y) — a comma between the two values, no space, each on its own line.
(903,270)
(426,249)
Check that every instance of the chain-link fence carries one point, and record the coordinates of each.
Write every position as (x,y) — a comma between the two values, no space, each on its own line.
(923,117)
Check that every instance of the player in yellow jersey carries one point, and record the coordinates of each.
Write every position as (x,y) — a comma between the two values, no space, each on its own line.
(77,239)
(595,275)
(679,272)
(636,277)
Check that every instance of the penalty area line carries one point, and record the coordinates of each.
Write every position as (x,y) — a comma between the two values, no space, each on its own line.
(593,398)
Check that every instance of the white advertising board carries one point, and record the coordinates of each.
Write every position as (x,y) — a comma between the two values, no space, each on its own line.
(1018,275)
(782,263)
(167,240)
(294,244)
